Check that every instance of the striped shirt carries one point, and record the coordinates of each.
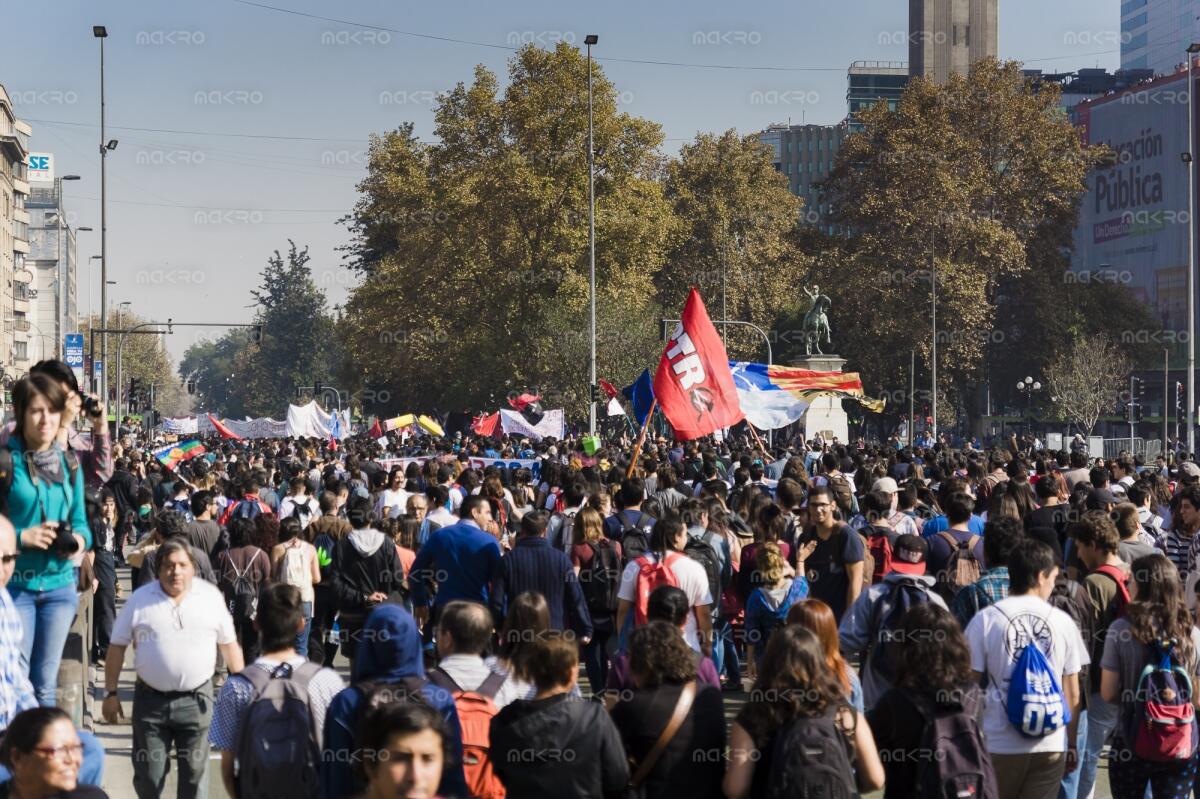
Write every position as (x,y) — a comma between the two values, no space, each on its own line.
(1179,549)
(535,565)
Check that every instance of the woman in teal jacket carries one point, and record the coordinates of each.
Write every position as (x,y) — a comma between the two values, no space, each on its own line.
(45,498)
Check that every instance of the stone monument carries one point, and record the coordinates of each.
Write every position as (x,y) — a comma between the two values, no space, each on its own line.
(825,415)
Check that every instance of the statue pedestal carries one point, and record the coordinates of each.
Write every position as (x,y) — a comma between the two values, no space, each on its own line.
(825,416)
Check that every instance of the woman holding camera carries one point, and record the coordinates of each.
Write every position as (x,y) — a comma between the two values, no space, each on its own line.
(45,503)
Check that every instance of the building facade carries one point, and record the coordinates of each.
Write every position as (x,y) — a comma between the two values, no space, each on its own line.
(52,259)
(948,36)
(869,82)
(1155,34)
(805,154)
(15,278)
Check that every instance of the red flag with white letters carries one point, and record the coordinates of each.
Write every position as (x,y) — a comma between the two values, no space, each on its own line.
(693,384)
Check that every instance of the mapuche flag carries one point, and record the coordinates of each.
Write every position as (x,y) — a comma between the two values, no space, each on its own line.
(693,384)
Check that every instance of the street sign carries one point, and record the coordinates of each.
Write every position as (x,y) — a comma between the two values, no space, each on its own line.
(73,350)
(40,168)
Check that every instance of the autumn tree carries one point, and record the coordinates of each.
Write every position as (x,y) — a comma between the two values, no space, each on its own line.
(143,358)
(1086,379)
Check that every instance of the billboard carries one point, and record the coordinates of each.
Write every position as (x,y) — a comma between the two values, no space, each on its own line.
(1133,220)
(41,167)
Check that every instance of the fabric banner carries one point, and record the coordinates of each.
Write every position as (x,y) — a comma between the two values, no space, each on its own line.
(693,383)
(310,421)
(552,425)
(771,386)
(486,424)
(641,395)
(181,426)
(223,430)
(615,408)
(767,405)
(534,465)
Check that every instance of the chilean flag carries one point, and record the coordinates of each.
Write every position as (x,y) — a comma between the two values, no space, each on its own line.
(693,384)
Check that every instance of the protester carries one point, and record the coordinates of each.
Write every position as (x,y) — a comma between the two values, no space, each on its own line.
(817,617)
(366,573)
(325,532)
(597,563)
(242,571)
(768,605)
(533,564)
(1001,537)
(178,623)
(461,560)
(405,750)
(668,701)
(45,503)
(105,567)
(464,634)
(202,531)
(294,562)
(42,753)
(557,744)
(280,616)
(835,566)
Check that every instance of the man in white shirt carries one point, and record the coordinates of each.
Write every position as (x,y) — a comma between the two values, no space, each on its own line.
(1027,767)
(464,633)
(176,625)
(667,540)
(299,498)
(278,620)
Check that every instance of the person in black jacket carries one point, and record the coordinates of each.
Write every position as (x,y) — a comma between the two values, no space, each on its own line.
(557,744)
(366,572)
(663,666)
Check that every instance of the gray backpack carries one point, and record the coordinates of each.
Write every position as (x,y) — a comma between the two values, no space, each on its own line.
(278,745)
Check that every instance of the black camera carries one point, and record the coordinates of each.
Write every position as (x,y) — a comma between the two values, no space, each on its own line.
(65,544)
(91,405)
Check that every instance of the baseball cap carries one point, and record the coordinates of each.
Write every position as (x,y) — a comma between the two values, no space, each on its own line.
(1101,497)
(885,484)
(1189,469)
(908,555)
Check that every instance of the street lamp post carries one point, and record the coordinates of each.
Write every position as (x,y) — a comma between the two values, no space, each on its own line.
(101,33)
(933,316)
(590,40)
(1027,387)
(1189,159)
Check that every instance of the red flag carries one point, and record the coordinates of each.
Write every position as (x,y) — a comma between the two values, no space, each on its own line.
(376,430)
(485,425)
(608,388)
(222,429)
(519,401)
(693,384)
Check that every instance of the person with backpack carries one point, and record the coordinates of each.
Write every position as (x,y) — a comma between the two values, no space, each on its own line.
(597,564)
(841,489)
(242,571)
(325,532)
(533,564)
(838,563)
(769,603)
(559,531)
(880,534)
(672,726)
(294,562)
(389,668)
(250,506)
(1106,594)
(1001,537)
(269,718)
(298,504)
(366,573)
(956,556)
(665,564)
(1030,655)
(556,743)
(797,736)
(868,631)
(629,519)
(179,624)
(816,617)
(926,722)
(712,552)
(1149,670)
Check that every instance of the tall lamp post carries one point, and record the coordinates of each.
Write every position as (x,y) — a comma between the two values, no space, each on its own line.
(1027,387)
(589,40)
(1190,160)
(106,146)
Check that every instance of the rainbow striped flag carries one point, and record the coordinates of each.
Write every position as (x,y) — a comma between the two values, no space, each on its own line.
(176,454)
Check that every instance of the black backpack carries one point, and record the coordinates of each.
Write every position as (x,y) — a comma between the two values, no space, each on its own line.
(843,494)
(886,616)
(277,752)
(703,550)
(633,539)
(961,765)
(241,590)
(810,757)
(601,580)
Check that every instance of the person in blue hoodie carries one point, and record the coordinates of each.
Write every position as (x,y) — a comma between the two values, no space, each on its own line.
(389,654)
(767,607)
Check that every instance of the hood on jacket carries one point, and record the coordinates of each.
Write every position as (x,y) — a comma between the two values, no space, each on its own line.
(366,541)
(390,649)
(776,598)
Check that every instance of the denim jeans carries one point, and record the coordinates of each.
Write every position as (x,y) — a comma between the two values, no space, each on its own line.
(1071,786)
(161,720)
(1101,718)
(302,637)
(724,652)
(595,659)
(46,618)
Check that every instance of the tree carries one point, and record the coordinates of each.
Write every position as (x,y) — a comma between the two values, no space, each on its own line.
(735,235)
(143,358)
(473,250)
(1086,380)
(976,184)
(211,364)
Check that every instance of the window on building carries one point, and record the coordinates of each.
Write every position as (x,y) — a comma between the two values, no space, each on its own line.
(1133,23)
(954,41)
(1137,42)
(21,350)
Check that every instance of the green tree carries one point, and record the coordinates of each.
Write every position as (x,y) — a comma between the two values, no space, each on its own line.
(142,357)
(473,250)
(211,364)
(735,239)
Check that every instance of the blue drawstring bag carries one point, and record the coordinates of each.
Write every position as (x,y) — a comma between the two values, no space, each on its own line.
(1036,705)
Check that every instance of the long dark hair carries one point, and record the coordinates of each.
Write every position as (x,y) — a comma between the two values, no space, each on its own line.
(932,656)
(1160,611)
(528,621)
(794,682)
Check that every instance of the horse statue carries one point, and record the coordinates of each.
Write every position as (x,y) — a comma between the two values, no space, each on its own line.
(816,324)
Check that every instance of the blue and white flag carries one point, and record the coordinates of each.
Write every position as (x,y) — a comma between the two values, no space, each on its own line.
(767,405)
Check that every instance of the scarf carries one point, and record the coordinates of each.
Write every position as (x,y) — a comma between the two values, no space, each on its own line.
(47,465)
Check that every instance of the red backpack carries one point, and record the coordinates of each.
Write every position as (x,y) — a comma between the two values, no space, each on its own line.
(1119,577)
(879,545)
(476,709)
(652,572)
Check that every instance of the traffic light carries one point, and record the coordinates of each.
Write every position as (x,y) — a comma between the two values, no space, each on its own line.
(595,392)
(1178,396)
(134,386)
(256,334)
(191,386)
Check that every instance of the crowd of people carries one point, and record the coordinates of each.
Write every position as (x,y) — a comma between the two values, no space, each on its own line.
(929,621)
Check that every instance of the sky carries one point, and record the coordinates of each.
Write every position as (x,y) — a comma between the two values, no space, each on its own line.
(241,126)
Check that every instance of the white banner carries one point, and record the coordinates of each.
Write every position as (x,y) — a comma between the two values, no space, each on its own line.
(181,425)
(552,424)
(534,465)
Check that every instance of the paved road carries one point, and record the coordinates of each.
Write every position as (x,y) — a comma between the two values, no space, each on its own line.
(118,738)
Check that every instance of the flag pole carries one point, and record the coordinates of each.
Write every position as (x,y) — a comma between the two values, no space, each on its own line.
(758,439)
(637,447)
